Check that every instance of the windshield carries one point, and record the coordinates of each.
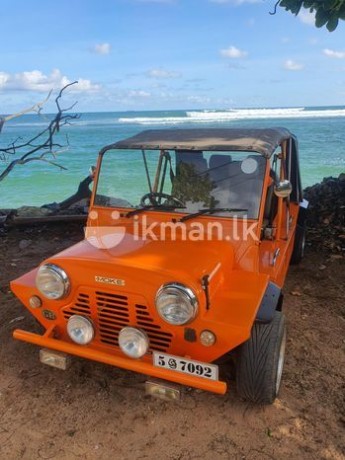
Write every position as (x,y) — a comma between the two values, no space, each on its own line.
(182,181)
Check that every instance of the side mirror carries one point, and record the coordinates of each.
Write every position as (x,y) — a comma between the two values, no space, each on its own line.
(283,189)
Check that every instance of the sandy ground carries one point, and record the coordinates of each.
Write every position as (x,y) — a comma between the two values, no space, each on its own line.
(93,411)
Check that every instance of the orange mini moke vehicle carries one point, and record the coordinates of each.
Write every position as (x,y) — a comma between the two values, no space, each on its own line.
(188,241)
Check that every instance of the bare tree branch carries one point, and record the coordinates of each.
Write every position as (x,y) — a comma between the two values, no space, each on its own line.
(275,8)
(34,108)
(43,144)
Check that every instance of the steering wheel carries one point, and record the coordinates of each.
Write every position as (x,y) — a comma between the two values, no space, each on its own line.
(152,197)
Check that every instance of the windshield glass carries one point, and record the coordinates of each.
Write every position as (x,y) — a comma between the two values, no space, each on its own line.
(182,181)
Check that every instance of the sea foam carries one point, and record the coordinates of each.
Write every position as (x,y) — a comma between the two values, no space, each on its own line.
(213,116)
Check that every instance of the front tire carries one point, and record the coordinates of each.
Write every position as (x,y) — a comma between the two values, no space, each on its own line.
(261,360)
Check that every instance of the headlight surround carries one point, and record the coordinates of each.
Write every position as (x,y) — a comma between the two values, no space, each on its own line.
(52,281)
(176,304)
(133,342)
(80,329)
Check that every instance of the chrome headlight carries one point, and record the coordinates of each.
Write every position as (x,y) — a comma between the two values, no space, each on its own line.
(176,303)
(52,281)
(80,329)
(133,342)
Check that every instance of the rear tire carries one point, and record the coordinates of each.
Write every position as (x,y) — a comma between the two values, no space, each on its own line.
(299,245)
(260,364)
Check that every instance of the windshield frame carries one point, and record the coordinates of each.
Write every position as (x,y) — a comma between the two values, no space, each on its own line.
(177,213)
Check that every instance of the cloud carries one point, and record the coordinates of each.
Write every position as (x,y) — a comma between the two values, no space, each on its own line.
(102,48)
(85,85)
(330,53)
(35,80)
(4,77)
(292,65)
(306,17)
(233,52)
(162,73)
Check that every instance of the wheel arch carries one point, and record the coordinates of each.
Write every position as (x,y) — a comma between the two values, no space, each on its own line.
(272,301)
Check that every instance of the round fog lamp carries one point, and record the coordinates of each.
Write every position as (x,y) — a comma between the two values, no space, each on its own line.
(133,342)
(80,329)
(207,338)
(35,302)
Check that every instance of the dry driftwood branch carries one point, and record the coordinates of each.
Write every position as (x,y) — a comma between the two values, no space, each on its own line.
(43,144)
(34,108)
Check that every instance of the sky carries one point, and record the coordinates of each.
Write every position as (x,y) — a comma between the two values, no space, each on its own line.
(167,54)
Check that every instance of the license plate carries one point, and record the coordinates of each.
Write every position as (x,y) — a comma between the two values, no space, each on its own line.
(187,366)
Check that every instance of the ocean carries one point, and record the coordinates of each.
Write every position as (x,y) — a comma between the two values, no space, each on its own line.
(320,131)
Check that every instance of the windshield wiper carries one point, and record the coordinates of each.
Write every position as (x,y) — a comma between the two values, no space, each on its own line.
(150,207)
(210,211)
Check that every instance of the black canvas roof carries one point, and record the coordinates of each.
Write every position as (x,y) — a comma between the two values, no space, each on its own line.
(263,141)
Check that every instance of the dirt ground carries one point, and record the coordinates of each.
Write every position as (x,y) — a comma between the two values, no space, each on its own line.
(93,411)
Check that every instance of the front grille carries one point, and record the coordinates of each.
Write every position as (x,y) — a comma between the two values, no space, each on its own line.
(81,307)
(159,340)
(111,312)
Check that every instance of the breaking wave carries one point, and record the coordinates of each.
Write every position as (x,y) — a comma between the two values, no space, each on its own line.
(182,117)
(213,116)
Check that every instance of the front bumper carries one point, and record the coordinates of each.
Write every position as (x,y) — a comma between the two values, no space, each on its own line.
(146,368)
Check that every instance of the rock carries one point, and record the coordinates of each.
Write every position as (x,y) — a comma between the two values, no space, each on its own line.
(322,267)
(32,211)
(336,256)
(54,207)
(23,244)
(326,214)
(296,293)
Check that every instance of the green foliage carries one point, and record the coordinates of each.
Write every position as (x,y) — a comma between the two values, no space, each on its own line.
(327,12)
(188,185)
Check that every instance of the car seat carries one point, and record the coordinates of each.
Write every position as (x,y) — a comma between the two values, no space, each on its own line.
(218,167)
(239,189)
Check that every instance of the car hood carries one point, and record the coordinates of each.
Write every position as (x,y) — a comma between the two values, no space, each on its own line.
(136,260)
